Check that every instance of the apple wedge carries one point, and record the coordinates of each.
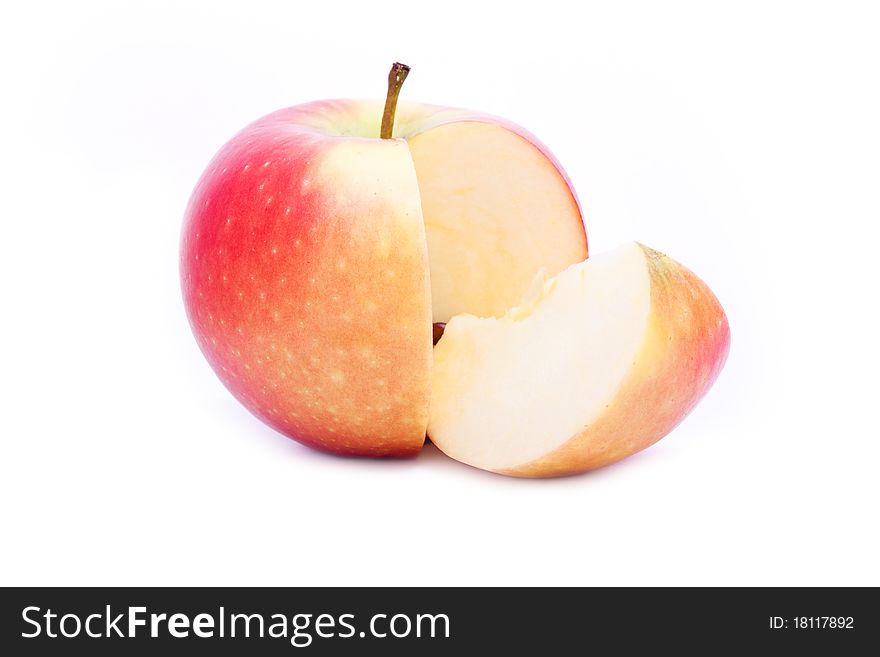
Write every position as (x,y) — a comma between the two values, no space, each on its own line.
(594,365)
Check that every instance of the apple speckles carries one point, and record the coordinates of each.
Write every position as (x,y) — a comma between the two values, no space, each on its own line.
(263,229)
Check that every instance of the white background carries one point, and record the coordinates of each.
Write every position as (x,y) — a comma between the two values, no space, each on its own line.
(741,138)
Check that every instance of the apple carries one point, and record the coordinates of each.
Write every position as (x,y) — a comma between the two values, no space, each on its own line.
(321,245)
(591,366)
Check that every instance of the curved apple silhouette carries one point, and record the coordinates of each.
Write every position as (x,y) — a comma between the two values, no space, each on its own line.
(316,256)
(324,254)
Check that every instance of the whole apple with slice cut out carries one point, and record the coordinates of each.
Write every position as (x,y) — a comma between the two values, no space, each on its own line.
(327,245)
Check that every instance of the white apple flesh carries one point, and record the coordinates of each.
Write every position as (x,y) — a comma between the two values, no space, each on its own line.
(594,365)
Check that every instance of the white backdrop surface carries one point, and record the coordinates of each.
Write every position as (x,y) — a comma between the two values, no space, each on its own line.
(740,138)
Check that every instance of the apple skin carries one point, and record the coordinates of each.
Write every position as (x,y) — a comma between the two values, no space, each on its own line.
(304,272)
(687,345)
(294,264)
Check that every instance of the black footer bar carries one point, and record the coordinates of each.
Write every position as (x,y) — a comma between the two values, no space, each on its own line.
(428,621)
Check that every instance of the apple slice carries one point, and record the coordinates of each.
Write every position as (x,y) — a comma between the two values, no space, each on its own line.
(594,365)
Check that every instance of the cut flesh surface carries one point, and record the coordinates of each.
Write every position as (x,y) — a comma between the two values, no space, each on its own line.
(596,364)
(507,391)
(496,211)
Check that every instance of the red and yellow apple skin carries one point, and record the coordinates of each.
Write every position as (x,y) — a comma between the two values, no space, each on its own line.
(304,272)
(686,346)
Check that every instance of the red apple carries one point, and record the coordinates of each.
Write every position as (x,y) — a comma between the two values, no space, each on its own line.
(316,255)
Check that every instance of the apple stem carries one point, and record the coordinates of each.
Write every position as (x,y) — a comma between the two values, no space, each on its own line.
(395,82)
